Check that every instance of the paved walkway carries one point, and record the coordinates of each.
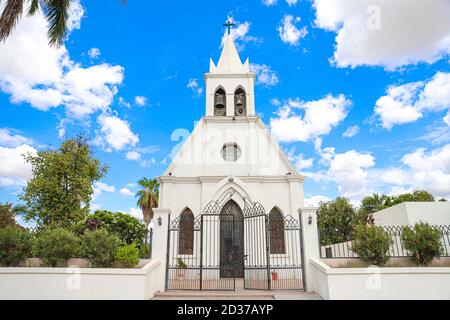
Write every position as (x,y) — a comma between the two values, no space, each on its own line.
(237,295)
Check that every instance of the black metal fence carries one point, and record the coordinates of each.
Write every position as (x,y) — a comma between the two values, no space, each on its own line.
(396,250)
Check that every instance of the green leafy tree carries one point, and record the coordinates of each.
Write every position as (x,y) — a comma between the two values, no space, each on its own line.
(15,245)
(148,198)
(59,193)
(55,11)
(416,196)
(375,203)
(129,229)
(335,220)
(6,215)
(8,212)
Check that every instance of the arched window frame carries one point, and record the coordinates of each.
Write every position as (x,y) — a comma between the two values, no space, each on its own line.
(186,233)
(238,90)
(276,232)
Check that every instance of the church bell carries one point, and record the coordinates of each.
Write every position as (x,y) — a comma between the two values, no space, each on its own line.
(220,101)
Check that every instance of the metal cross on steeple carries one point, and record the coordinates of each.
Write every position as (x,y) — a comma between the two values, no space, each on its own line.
(229,25)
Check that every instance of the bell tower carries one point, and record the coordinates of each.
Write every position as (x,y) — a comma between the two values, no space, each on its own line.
(229,84)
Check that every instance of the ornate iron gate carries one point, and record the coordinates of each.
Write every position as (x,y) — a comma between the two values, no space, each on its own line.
(210,251)
(256,266)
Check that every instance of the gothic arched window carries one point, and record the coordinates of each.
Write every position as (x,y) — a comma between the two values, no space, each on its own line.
(186,235)
(276,231)
(240,102)
(220,102)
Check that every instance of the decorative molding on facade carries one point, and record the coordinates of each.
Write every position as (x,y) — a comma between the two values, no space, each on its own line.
(229,75)
(227,119)
(216,179)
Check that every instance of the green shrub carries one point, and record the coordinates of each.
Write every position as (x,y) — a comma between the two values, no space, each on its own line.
(127,228)
(55,246)
(15,246)
(127,256)
(100,247)
(145,251)
(423,242)
(371,244)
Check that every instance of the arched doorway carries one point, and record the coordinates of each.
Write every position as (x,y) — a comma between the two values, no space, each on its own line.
(231,241)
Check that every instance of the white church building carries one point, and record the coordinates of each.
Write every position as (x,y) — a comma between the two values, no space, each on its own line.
(231,194)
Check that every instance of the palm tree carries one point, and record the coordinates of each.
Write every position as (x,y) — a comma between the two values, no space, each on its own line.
(55,11)
(148,198)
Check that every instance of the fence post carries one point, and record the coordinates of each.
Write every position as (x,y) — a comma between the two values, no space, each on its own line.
(311,248)
(160,244)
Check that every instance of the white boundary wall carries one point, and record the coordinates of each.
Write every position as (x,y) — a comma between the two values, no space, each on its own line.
(409,213)
(374,283)
(79,283)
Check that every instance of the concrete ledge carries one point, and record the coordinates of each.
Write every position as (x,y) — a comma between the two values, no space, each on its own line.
(381,283)
(79,283)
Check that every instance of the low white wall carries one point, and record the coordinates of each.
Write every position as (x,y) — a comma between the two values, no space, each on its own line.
(79,283)
(381,283)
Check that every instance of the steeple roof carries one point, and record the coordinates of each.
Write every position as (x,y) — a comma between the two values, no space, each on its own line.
(229,61)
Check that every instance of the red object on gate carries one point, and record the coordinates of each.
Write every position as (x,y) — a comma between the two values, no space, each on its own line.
(274,276)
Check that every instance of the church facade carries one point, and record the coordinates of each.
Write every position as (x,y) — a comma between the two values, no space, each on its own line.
(232,193)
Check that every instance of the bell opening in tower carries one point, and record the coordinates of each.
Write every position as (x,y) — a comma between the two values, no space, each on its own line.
(220,102)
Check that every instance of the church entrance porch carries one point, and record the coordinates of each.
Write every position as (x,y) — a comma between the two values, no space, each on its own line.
(227,248)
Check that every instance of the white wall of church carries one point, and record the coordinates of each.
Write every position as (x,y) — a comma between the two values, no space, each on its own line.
(196,195)
(201,153)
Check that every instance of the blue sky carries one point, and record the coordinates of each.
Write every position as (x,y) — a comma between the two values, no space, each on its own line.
(357,93)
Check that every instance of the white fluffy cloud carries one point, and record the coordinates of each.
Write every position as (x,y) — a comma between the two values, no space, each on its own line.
(430,170)
(13,167)
(291,2)
(394,176)
(94,53)
(114,134)
(315,201)
(351,132)
(421,169)
(10,138)
(91,89)
(265,76)
(319,117)
(136,212)
(197,90)
(46,77)
(301,163)
(408,102)
(140,100)
(133,155)
(349,170)
(269,2)
(288,31)
(447,118)
(126,192)
(100,187)
(378,32)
